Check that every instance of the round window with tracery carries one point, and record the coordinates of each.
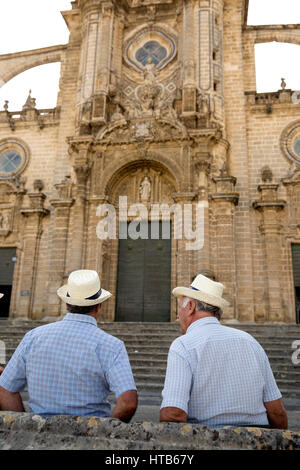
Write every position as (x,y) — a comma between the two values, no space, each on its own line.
(151,50)
(13,158)
(297,145)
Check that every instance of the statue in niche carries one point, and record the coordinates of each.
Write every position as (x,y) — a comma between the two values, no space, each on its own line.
(203,105)
(145,189)
(150,72)
(4,221)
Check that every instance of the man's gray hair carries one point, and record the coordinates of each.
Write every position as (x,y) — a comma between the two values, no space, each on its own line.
(203,307)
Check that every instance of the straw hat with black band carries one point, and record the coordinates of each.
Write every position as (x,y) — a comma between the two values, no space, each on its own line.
(83,289)
(205,290)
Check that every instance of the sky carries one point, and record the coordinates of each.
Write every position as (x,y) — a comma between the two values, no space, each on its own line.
(40,24)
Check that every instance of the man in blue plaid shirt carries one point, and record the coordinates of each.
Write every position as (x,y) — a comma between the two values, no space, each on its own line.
(71,366)
(216,375)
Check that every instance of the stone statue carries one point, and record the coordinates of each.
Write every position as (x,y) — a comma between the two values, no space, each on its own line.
(203,104)
(145,189)
(150,72)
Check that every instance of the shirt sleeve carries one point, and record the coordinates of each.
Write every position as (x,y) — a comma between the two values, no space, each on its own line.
(13,378)
(178,381)
(119,376)
(271,391)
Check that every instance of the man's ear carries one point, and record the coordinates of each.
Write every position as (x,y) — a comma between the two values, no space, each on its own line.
(192,307)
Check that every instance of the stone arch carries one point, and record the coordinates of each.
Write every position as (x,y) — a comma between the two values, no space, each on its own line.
(118,177)
(113,174)
(12,65)
(277,36)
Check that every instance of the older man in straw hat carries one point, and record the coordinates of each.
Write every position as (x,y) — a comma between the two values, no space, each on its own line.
(217,375)
(71,366)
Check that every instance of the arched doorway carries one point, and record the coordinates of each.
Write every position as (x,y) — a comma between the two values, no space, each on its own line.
(145,264)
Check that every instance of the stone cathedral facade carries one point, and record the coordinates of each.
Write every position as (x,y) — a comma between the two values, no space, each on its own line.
(157,103)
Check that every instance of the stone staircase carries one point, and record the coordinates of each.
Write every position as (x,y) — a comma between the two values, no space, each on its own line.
(148,344)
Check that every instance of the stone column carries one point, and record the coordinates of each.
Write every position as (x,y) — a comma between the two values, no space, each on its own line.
(94,244)
(33,222)
(271,230)
(189,85)
(209,53)
(81,166)
(61,216)
(88,64)
(203,168)
(104,58)
(185,269)
(223,205)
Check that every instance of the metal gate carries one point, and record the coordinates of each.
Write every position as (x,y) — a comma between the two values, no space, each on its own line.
(144,280)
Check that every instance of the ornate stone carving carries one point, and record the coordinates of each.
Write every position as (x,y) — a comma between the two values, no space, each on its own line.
(5,219)
(292,184)
(64,189)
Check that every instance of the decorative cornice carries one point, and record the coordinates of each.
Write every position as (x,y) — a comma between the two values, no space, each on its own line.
(226,197)
(260,205)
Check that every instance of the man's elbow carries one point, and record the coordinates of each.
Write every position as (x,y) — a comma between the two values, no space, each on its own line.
(131,400)
(172,414)
(128,402)
(277,414)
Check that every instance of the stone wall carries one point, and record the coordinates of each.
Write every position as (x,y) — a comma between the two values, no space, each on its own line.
(194,123)
(21,431)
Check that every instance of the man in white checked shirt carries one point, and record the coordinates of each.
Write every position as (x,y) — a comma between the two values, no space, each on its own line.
(71,366)
(216,375)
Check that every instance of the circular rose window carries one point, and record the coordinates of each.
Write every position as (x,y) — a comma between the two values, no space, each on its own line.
(13,158)
(290,142)
(297,145)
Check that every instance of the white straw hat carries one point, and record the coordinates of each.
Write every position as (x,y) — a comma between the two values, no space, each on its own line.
(83,289)
(205,290)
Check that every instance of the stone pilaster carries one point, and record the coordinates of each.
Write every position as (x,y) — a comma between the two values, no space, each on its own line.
(94,244)
(185,258)
(32,233)
(209,53)
(61,216)
(203,168)
(80,152)
(223,203)
(104,63)
(189,85)
(271,229)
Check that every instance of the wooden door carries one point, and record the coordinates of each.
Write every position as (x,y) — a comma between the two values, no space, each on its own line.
(7,262)
(296,272)
(144,280)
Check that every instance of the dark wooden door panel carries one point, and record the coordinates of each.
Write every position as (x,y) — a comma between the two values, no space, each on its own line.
(143,286)
(157,283)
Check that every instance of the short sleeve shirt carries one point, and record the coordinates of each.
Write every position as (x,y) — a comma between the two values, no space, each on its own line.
(69,367)
(219,376)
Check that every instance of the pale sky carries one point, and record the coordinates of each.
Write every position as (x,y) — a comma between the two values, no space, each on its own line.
(31,24)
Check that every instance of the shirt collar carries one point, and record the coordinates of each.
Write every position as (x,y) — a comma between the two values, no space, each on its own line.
(202,322)
(80,317)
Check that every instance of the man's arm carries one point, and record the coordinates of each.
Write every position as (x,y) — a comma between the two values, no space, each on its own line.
(126,406)
(276,413)
(10,401)
(1,370)
(176,392)
(172,414)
